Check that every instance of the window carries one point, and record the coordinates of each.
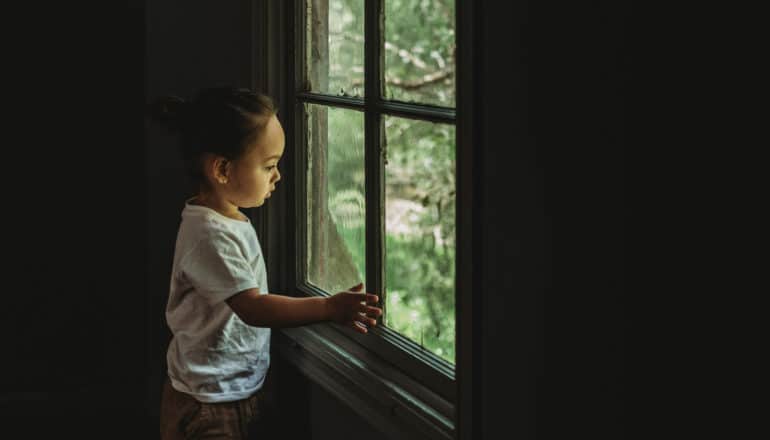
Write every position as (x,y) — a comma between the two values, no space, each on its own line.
(369,108)
(378,126)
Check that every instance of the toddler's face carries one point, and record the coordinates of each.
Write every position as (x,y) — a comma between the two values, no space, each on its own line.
(256,173)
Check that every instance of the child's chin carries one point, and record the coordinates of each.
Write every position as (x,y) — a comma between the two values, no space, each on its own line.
(255,204)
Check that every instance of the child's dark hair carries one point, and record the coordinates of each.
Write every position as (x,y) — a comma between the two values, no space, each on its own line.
(219,120)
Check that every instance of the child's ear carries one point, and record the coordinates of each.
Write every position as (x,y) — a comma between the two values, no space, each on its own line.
(219,167)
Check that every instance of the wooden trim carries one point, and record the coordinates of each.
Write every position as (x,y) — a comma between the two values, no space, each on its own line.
(332,101)
(297,15)
(258,74)
(374,160)
(418,111)
(467,302)
(393,108)
(393,403)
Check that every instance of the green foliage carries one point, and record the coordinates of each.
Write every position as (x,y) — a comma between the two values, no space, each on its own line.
(346,175)
(346,47)
(420,243)
(420,51)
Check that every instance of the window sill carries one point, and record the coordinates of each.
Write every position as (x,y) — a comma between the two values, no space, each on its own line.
(397,405)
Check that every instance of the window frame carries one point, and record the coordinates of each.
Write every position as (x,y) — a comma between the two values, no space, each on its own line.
(405,383)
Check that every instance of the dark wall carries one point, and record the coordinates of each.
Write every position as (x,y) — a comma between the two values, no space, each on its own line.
(74,314)
(553,119)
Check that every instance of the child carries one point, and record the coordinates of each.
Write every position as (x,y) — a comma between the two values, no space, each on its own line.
(219,309)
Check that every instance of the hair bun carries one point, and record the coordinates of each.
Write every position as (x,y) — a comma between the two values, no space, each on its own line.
(170,111)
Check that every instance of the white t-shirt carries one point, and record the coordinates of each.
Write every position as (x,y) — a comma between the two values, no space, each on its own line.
(213,355)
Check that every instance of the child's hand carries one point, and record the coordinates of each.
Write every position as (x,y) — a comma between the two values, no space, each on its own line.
(354,308)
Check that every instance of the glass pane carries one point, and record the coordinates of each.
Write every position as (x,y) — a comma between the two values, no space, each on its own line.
(420,233)
(334,41)
(420,51)
(336,218)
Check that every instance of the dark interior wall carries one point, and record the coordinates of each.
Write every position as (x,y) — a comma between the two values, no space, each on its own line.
(74,322)
(554,123)
(95,202)
(330,418)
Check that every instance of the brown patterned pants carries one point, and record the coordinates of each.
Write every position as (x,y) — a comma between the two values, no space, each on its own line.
(182,417)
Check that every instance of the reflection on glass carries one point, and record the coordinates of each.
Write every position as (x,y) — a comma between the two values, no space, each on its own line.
(420,51)
(335,47)
(336,230)
(420,233)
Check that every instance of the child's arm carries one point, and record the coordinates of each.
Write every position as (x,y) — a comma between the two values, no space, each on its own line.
(278,311)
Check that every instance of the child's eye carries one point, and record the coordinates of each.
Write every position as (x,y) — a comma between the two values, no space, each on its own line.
(270,168)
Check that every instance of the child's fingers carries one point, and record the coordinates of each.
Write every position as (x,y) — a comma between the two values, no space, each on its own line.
(364,319)
(357,326)
(357,288)
(372,298)
(370,311)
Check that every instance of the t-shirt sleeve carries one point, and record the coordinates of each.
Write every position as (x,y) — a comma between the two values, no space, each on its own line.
(218,269)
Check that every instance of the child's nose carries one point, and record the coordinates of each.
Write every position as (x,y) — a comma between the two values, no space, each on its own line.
(277,175)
